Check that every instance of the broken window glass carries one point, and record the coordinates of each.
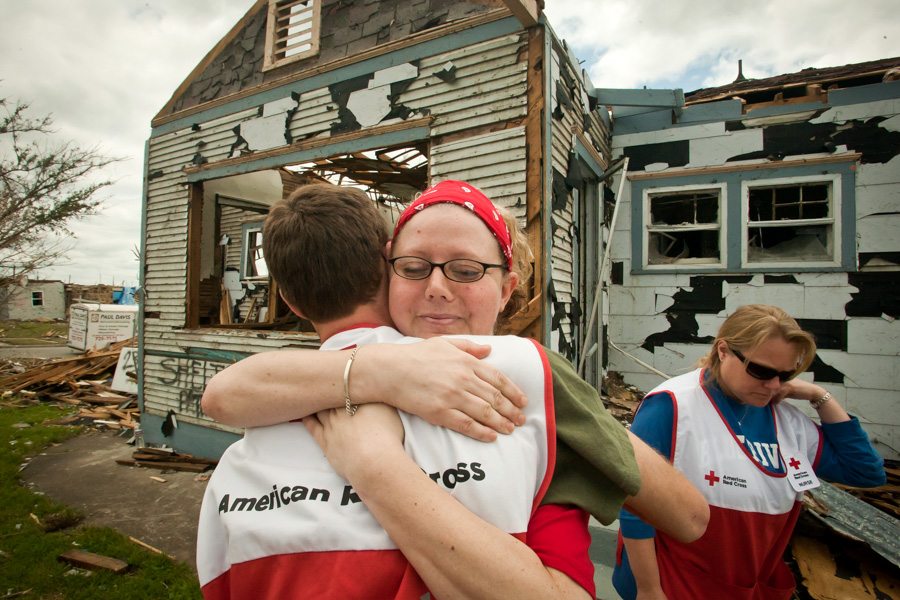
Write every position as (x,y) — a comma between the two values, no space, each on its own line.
(254,265)
(790,223)
(37,298)
(684,227)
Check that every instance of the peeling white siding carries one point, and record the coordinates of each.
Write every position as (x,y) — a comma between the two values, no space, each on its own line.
(494,162)
(869,366)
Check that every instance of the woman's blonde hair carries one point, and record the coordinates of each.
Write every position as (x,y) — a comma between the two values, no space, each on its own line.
(522,257)
(751,325)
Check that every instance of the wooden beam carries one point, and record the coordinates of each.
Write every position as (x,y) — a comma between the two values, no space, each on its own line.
(195,227)
(526,11)
(534,145)
(311,144)
(90,561)
(732,168)
(524,320)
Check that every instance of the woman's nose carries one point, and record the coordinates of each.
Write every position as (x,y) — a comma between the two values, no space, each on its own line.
(773,383)
(437,285)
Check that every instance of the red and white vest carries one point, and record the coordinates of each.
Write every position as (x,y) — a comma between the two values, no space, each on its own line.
(752,511)
(277,522)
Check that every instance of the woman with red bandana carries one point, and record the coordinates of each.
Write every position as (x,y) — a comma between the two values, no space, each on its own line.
(726,428)
(454,269)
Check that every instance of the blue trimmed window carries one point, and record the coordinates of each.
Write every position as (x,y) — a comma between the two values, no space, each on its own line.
(799,218)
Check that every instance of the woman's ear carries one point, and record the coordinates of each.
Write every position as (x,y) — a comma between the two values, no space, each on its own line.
(387,249)
(722,349)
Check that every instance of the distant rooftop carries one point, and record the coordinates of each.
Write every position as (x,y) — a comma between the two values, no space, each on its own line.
(801,86)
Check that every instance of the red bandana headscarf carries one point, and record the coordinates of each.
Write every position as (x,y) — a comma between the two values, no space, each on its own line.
(467,196)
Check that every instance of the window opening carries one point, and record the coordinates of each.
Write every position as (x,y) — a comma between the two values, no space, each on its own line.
(253,263)
(790,223)
(235,290)
(292,31)
(37,298)
(684,227)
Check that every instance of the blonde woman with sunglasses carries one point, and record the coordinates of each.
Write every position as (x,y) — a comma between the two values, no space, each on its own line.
(725,426)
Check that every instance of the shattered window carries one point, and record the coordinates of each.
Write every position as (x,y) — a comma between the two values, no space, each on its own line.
(37,298)
(253,263)
(684,226)
(292,31)
(790,222)
(233,287)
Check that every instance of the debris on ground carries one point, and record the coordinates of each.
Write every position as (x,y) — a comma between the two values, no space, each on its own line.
(167,459)
(620,398)
(81,381)
(843,547)
(90,561)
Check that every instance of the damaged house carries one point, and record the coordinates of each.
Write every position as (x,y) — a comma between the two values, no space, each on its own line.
(390,96)
(780,191)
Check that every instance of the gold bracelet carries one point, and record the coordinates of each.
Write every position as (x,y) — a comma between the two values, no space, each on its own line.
(351,408)
(817,404)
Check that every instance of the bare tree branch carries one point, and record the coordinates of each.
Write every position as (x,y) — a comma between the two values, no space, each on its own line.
(43,188)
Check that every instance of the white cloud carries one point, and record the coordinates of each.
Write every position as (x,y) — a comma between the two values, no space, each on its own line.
(104,69)
(697,44)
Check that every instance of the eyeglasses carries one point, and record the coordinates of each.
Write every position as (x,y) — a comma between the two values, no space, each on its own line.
(461,270)
(758,371)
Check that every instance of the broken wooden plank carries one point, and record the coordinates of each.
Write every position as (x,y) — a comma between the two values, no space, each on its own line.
(823,581)
(90,561)
(175,466)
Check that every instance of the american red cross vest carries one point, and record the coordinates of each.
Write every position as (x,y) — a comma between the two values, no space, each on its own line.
(752,511)
(278,523)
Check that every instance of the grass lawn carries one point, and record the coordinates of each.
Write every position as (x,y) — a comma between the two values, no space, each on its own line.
(29,568)
(23,333)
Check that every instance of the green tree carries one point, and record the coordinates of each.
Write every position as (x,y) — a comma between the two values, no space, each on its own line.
(44,186)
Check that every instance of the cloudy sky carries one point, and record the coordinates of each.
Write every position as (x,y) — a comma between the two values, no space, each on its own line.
(104,68)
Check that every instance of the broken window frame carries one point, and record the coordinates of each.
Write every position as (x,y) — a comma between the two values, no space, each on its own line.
(389,174)
(247,230)
(37,298)
(649,229)
(831,223)
(282,39)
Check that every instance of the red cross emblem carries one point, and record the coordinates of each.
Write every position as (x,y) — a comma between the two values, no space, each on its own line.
(711,478)
(794,463)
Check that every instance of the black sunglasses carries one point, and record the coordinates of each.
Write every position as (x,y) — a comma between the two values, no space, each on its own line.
(759,371)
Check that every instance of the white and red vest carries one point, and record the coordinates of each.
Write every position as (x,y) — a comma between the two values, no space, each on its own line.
(278,523)
(752,511)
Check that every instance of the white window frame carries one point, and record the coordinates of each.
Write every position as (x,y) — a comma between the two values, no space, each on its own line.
(246,230)
(834,179)
(39,296)
(298,29)
(648,227)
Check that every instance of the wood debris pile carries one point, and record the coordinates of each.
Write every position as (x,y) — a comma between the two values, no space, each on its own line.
(620,398)
(79,381)
(844,547)
(167,459)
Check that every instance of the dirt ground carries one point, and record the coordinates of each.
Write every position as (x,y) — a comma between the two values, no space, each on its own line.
(82,472)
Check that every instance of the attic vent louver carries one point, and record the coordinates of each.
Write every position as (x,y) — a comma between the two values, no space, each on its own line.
(292,31)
